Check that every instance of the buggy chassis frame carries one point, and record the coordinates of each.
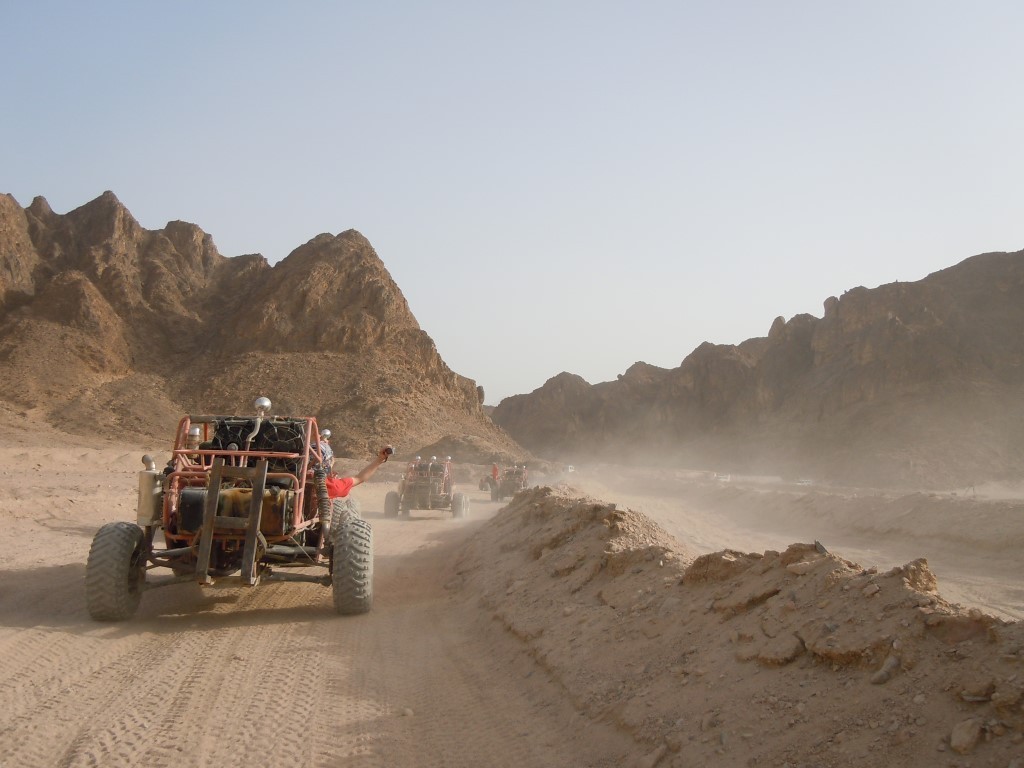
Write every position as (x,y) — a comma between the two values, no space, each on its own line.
(197,467)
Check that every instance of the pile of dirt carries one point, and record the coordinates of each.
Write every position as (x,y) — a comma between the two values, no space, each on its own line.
(794,657)
(908,384)
(107,325)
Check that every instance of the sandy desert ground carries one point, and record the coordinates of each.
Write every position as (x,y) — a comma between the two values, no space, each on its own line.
(560,630)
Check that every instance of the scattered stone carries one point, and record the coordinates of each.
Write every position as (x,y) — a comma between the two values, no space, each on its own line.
(889,668)
(966,735)
(674,741)
(1006,696)
(978,690)
(974,699)
(781,651)
(870,589)
(803,567)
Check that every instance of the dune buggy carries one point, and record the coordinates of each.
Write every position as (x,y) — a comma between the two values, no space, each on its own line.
(240,495)
(426,485)
(510,482)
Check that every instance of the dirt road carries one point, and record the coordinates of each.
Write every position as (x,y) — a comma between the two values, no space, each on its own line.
(264,677)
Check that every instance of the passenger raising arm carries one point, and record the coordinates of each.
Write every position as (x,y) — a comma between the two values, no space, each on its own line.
(340,486)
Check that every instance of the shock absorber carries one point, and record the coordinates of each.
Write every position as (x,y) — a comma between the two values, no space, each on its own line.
(323,503)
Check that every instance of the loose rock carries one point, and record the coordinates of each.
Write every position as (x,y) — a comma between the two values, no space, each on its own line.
(965,735)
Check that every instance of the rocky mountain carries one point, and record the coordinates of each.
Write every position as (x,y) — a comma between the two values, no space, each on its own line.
(909,383)
(106,326)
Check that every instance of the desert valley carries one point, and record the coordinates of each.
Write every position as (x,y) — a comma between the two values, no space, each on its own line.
(802,550)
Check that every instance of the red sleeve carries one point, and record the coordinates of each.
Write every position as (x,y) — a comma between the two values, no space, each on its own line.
(338,487)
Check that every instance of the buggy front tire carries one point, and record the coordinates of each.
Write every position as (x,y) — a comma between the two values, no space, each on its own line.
(460,505)
(351,561)
(346,506)
(115,572)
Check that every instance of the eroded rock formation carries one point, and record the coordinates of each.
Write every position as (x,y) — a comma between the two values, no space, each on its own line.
(105,324)
(905,383)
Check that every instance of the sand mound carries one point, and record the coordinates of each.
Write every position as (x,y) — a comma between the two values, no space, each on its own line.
(779,658)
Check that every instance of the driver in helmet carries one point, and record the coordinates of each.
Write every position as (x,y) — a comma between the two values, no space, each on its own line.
(326,452)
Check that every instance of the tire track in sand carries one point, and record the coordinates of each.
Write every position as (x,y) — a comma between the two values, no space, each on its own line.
(192,714)
(169,692)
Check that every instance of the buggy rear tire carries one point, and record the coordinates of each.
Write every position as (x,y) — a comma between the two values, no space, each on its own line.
(351,561)
(115,572)
(392,502)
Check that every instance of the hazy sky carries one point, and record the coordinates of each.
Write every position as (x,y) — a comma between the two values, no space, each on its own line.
(560,185)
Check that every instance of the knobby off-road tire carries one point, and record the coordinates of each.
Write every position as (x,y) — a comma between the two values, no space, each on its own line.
(348,506)
(460,505)
(341,509)
(115,572)
(351,560)
(391,504)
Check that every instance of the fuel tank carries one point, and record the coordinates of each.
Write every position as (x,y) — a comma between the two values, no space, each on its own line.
(275,518)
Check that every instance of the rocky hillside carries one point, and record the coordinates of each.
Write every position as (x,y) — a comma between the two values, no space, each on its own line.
(108,326)
(909,383)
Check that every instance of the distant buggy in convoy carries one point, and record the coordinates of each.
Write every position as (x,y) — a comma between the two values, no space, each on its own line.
(427,485)
(242,496)
(509,483)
